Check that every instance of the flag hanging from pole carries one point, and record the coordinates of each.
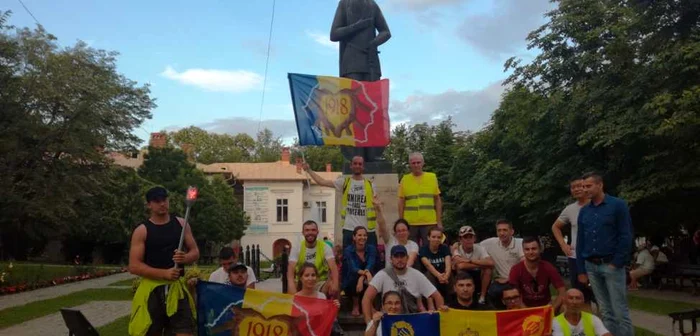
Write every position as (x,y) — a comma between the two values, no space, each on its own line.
(331,111)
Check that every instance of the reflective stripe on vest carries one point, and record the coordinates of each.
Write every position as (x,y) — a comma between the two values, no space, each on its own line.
(419,208)
(588,328)
(319,261)
(369,207)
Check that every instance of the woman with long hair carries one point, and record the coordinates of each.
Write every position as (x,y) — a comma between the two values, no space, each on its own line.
(360,259)
(391,304)
(308,278)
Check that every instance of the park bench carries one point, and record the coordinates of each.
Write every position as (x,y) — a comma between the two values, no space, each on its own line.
(677,274)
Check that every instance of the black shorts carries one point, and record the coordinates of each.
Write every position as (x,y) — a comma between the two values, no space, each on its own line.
(180,323)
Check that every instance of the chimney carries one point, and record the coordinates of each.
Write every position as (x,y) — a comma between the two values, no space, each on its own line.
(298,164)
(189,150)
(285,154)
(158,140)
(329,168)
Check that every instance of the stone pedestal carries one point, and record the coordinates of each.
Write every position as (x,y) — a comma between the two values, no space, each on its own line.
(386,186)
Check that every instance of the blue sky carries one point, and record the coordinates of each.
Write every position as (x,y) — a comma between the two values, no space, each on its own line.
(205,60)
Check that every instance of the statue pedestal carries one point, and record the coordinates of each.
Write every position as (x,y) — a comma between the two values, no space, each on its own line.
(386,186)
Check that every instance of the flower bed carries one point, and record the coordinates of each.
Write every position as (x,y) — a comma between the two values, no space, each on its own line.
(36,279)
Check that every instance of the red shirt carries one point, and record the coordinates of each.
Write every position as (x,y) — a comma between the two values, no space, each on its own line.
(535,292)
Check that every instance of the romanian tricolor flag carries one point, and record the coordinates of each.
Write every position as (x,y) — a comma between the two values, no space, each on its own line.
(334,111)
(520,322)
(227,310)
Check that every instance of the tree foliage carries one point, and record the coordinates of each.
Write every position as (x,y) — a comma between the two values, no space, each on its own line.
(60,108)
(213,147)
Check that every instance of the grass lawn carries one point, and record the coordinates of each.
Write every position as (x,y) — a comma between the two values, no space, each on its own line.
(16,315)
(27,273)
(637,332)
(659,307)
(127,282)
(120,327)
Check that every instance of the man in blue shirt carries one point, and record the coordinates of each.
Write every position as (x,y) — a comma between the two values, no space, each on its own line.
(603,247)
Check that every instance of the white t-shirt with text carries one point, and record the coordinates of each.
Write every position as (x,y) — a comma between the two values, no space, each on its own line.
(356,212)
(410,246)
(569,216)
(220,276)
(577,330)
(414,281)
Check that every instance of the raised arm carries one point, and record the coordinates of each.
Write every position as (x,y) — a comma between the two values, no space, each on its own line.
(318,179)
(381,221)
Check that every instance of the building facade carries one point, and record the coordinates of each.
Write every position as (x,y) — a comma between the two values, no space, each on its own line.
(277,197)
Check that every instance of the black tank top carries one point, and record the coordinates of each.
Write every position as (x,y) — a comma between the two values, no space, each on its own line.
(161,243)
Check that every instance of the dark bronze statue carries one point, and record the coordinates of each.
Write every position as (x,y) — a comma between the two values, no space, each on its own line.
(360,27)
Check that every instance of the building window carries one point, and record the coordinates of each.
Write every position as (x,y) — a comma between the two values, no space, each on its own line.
(322,211)
(282,210)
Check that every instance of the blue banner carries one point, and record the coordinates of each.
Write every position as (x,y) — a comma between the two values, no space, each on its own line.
(411,324)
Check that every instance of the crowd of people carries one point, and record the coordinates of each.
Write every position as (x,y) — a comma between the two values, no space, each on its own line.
(418,271)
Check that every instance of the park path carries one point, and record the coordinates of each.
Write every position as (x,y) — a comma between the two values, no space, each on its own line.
(23,298)
(98,313)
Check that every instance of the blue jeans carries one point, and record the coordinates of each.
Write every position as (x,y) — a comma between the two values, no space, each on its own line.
(610,290)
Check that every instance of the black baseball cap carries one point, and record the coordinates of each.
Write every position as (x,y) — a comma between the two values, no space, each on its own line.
(237,266)
(156,194)
(398,249)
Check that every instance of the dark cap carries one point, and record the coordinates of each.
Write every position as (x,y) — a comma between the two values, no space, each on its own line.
(398,249)
(237,266)
(156,193)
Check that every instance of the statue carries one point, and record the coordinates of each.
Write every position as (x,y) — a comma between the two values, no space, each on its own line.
(360,27)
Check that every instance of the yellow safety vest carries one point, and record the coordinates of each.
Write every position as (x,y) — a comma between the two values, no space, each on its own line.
(587,319)
(140,319)
(320,261)
(369,193)
(419,194)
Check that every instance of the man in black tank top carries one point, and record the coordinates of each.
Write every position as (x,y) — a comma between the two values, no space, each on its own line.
(153,255)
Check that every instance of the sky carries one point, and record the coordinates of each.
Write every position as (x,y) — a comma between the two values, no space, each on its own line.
(205,60)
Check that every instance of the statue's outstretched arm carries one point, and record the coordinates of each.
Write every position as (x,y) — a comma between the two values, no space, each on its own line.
(383,33)
(339,30)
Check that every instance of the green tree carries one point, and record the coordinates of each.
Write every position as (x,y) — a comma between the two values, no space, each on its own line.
(60,108)
(212,147)
(318,156)
(267,147)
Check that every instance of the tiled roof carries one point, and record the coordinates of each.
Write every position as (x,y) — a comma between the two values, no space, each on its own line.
(263,171)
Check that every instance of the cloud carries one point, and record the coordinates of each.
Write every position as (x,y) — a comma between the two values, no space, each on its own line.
(280,127)
(420,5)
(503,30)
(323,40)
(234,81)
(470,110)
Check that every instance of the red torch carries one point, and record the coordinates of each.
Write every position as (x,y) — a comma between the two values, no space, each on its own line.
(189,201)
